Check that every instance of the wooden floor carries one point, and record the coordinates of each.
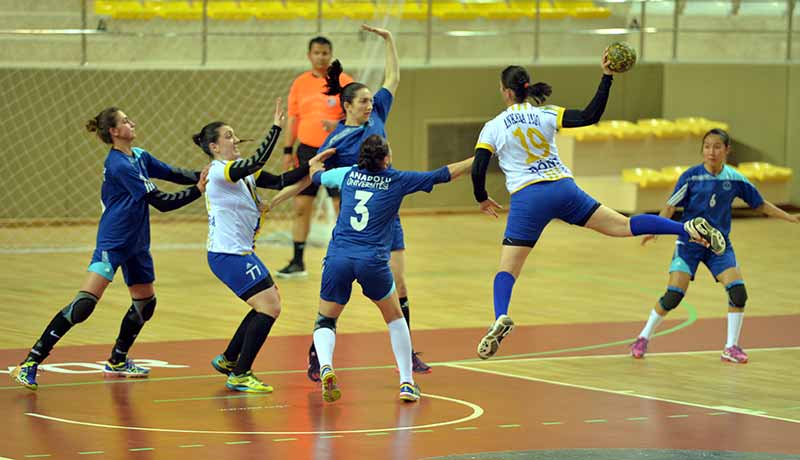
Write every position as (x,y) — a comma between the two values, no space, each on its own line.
(562,381)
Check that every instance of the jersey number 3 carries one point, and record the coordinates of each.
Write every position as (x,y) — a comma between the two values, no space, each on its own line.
(360,223)
(537,139)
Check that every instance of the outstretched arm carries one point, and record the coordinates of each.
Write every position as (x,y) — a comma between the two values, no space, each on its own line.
(164,201)
(459,168)
(773,211)
(315,165)
(239,169)
(391,76)
(592,113)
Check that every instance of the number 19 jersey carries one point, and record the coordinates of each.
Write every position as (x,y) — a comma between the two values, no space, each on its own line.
(523,138)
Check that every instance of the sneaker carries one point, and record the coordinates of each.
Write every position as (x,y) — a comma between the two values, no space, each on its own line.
(125,369)
(222,365)
(293,270)
(313,366)
(247,383)
(491,341)
(734,354)
(409,392)
(699,229)
(25,375)
(418,365)
(330,390)
(639,348)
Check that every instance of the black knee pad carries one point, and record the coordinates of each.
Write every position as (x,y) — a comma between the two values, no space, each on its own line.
(737,295)
(671,299)
(80,308)
(142,310)
(325,322)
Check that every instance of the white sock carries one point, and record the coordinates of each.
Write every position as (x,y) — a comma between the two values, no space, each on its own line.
(734,328)
(652,323)
(324,342)
(401,345)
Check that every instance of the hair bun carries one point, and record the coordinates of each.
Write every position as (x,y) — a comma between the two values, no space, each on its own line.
(197,139)
(91,125)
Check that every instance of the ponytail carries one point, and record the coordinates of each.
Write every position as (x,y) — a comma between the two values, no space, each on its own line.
(373,152)
(207,135)
(346,94)
(518,80)
(102,124)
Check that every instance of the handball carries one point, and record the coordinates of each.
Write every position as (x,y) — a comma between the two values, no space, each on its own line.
(621,56)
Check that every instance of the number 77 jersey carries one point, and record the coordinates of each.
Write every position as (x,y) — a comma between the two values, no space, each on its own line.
(523,138)
(369,205)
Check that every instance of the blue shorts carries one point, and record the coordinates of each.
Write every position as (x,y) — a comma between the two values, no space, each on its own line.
(398,242)
(687,257)
(239,272)
(534,206)
(137,268)
(338,274)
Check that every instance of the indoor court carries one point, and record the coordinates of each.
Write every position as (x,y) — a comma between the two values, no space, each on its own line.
(562,386)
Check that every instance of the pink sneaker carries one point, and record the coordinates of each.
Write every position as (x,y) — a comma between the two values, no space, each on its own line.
(734,354)
(639,348)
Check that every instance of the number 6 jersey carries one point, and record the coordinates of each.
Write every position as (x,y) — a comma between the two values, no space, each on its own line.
(523,138)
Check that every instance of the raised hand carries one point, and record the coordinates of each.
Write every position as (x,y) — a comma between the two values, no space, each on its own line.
(605,63)
(280,115)
(201,183)
(383,33)
(316,163)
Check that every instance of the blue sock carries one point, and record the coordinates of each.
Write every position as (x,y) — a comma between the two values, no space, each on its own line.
(503,284)
(646,224)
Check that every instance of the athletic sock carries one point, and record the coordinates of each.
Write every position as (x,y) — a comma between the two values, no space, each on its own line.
(503,285)
(257,331)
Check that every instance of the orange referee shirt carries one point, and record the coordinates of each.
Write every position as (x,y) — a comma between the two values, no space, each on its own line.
(310,107)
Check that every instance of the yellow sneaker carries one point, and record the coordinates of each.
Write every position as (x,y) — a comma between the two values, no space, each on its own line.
(247,383)
(25,375)
(330,390)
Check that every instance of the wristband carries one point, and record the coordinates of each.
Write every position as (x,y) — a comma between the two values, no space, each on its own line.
(288,150)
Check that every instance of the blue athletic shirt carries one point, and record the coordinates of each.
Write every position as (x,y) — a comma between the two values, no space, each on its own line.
(702,194)
(370,202)
(348,139)
(125,223)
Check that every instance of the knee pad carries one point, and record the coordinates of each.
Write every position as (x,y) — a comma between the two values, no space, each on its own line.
(737,294)
(142,310)
(672,298)
(80,308)
(325,322)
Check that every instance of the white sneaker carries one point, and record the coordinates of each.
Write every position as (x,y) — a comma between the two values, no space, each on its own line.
(489,344)
(700,230)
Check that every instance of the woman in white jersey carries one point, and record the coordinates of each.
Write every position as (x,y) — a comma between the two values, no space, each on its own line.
(234,219)
(541,186)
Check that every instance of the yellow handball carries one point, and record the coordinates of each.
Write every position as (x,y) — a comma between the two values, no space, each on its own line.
(621,56)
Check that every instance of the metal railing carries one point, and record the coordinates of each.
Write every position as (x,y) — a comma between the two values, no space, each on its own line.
(641,29)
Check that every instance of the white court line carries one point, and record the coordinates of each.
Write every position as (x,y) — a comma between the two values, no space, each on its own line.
(477,411)
(623,393)
(628,355)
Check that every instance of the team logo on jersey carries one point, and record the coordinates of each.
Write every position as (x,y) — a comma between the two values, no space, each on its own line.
(726,185)
(331,101)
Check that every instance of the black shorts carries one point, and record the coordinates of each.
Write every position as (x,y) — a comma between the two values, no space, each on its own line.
(305,153)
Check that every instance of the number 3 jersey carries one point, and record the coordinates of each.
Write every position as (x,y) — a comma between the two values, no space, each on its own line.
(702,194)
(523,138)
(369,206)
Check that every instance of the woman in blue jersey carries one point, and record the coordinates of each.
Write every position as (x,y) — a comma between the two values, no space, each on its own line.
(708,190)
(365,115)
(360,249)
(235,212)
(542,188)
(123,240)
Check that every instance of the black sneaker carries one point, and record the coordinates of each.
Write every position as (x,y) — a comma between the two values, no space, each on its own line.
(313,366)
(293,270)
